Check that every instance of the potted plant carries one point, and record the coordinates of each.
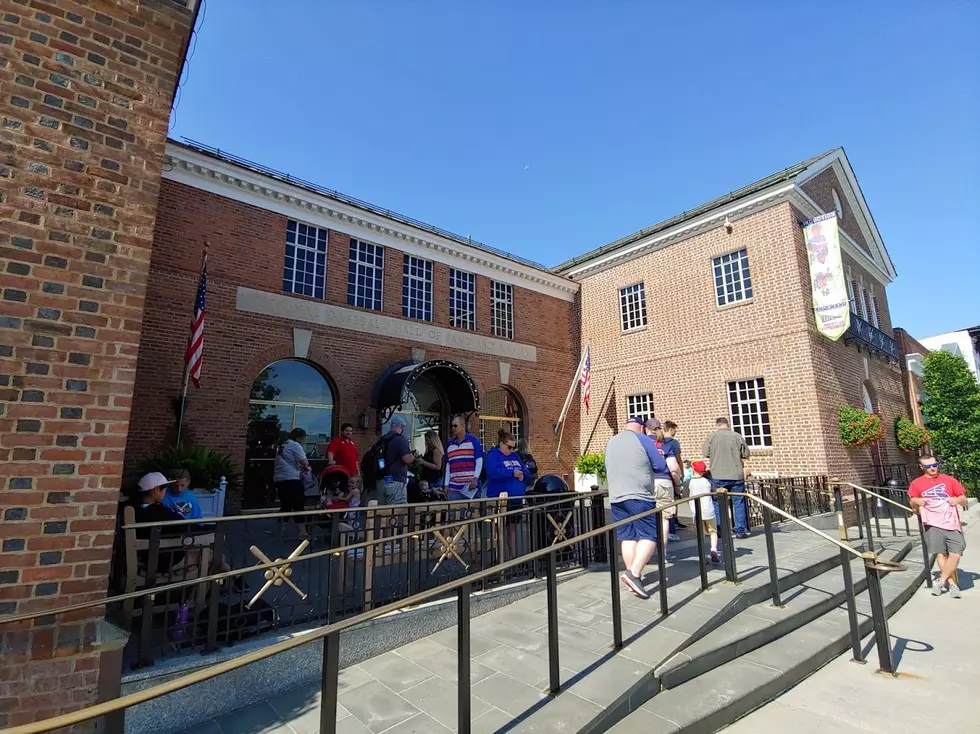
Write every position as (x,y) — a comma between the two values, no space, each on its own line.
(858,427)
(909,436)
(212,473)
(590,471)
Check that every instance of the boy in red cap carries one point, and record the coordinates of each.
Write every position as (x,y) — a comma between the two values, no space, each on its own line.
(701,485)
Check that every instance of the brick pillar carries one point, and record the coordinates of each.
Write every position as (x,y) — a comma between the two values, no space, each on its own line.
(85,94)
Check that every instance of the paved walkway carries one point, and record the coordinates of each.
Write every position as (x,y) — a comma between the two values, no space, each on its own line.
(937,644)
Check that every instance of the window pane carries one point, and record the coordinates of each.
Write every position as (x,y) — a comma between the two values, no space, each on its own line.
(291,381)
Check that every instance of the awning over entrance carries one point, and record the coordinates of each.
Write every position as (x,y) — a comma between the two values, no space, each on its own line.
(391,389)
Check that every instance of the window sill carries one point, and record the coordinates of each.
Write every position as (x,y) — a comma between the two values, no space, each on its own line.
(734,304)
(634,330)
(762,450)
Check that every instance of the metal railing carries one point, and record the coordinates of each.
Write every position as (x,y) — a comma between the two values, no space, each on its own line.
(803,496)
(464,586)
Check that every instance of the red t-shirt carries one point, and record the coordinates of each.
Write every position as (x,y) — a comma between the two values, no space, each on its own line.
(936,491)
(344,452)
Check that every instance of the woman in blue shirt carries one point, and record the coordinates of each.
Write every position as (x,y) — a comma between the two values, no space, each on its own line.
(505,473)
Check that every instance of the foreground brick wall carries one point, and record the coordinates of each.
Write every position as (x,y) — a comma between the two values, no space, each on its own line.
(85,92)
(239,345)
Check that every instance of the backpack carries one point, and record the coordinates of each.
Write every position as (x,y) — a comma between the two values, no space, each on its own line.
(372,468)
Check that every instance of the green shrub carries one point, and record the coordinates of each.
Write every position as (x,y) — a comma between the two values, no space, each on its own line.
(592,464)
(909,436)
(858,427)
(205,466)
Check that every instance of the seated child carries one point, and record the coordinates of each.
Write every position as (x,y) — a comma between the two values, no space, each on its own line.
(180,499)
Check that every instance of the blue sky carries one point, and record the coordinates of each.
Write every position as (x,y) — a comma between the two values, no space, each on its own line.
(548,133)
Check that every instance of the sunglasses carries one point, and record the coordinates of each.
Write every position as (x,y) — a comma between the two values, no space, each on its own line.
(930,466)
(511,446)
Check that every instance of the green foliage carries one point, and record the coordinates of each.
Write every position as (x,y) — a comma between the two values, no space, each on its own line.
(206,466)
(952,413)
(857,427)
(909,436)
(592,464)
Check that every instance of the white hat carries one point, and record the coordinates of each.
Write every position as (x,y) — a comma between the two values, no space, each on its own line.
(153,480)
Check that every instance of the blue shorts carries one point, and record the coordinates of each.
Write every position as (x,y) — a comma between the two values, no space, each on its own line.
(643,529)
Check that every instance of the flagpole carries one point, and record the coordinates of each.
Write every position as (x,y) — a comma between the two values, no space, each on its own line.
(560,425)
(187,364)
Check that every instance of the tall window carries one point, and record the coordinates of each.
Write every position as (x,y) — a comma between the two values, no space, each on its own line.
(641,405)
(462,299)
(417,289)
(292,394)
(365,275)
(850,292)
(749,407)
(732,280)
(871,302)
(306,255)
(502,307)
(633,306)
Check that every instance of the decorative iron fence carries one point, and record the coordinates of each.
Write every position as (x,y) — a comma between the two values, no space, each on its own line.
(798,496)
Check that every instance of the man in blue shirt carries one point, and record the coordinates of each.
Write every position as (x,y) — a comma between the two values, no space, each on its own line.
(181,499)
(665,479)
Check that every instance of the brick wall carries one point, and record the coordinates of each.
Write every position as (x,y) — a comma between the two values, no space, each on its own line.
(908,345)
(239,345)
(691,348)
(85,92)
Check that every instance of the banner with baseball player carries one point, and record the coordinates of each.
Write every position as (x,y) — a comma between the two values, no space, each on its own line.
(831,306)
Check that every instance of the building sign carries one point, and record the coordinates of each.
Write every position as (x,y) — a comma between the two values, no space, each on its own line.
(367,322)
(831,306)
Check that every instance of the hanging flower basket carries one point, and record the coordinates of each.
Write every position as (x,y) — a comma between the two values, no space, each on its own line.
(858,427)
(909,436)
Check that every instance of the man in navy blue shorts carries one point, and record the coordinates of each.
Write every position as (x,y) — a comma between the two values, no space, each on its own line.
(632,463)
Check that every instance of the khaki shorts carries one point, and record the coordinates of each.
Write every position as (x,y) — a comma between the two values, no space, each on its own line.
(663,494)
(709,527)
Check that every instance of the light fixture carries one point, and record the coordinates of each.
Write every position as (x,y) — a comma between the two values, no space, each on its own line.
(363,422)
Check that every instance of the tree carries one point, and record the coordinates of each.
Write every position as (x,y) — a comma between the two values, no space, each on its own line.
(952,414)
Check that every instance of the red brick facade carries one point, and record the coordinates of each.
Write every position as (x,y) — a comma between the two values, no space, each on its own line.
(247,249)
(85,88)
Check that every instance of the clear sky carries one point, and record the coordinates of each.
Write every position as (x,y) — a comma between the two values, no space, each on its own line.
(548,128)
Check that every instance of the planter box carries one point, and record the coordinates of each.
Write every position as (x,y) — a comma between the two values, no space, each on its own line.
(585,482)
(212,502)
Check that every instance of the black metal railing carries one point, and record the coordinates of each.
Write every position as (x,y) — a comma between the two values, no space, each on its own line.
(901,473)
(401,550)
(546,556)
(872,337)
(803,496)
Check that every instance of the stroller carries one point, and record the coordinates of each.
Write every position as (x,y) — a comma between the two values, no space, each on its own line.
(335,494)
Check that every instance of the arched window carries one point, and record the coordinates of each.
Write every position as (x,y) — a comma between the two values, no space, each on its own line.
(869,406)
(423,412)
(502,409)
(293,394)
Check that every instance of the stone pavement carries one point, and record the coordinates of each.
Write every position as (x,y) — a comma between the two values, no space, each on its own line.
(414,689)
(937,646)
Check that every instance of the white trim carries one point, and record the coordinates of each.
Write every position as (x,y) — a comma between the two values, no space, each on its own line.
(206,173)
(765,200)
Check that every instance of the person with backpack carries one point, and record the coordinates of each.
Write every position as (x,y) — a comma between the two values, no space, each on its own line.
(397,457)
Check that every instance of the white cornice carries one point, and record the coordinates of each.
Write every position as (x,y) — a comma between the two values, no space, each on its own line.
(216,176)
(768,197)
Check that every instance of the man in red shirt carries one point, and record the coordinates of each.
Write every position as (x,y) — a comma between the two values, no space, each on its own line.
(938,498)
(342,450)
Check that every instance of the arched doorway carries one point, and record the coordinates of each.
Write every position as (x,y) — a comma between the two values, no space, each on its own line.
(287,394)
(502,408)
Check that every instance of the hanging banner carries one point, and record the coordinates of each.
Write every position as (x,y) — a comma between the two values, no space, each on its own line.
(831,306)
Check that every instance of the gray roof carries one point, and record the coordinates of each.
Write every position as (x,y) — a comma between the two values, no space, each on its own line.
(763,183)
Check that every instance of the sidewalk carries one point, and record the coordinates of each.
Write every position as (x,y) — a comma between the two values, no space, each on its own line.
(937,649)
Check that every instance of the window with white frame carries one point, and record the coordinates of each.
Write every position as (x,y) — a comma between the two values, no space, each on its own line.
(850,292)
(732,280)
(749,409)
(633,306)
(305,265)
(862,302)
(502,309)
(872,306)
(639,405)
(462,299)
(417,288)
(365,275)
(875,312)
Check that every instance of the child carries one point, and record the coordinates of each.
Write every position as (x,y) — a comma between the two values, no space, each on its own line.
(180,499)
(701,485)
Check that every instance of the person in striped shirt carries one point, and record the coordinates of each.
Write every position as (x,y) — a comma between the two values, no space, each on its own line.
(464,462)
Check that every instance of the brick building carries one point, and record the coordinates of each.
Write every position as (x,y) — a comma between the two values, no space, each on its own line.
(324,310)
(912,352)
(709,314)
(86,89)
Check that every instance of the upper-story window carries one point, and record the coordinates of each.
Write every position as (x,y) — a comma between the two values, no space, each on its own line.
(462,299)
(851,288)
(502,309)
(633,306)
(732,280)
(640,405)
(749,408)
(417,288)
(365,275)
(306,260)
(869,306)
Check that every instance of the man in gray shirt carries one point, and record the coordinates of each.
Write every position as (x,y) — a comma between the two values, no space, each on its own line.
(727,452)
(632,460)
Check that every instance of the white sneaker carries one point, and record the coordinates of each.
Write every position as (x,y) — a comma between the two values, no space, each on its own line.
(954,591)
(937,589)
(673,537)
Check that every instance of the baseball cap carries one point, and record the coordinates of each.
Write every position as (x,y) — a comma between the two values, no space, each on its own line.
(653,424)
(152,480)
(397,421)
(636,420)
(699,466)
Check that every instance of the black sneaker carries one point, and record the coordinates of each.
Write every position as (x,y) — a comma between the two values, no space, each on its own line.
(634,584)
(680,525)
(714,557)
(742,536)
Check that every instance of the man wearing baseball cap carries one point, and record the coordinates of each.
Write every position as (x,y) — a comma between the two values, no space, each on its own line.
(632,459)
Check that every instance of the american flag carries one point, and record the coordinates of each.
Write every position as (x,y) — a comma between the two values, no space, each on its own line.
(194,357)
(586,378)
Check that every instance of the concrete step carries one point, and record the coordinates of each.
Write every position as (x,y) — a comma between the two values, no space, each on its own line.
(762,623)
(723,694)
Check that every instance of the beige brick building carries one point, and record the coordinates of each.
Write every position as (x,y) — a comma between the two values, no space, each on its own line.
(709,314)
